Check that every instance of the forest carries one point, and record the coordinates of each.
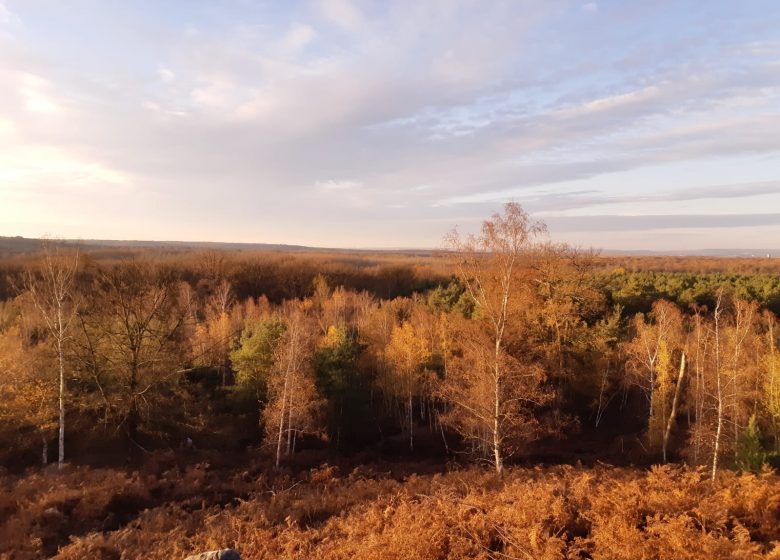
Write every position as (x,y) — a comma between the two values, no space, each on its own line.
(503,397)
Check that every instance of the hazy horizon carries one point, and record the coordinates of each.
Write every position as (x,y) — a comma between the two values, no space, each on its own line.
(725,251)
(347,124)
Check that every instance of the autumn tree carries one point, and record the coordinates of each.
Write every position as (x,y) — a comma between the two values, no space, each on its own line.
(737,371)
(406,356)
(771,379)
(217,330)
(493,391)
(293,403)
(28,393)
(603,360)
(51,289)
(654,356)
(730,360)
(565,299)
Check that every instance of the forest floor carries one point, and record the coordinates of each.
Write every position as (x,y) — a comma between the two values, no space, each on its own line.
(174,505)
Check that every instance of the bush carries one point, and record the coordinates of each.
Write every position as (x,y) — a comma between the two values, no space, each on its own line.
(544,513)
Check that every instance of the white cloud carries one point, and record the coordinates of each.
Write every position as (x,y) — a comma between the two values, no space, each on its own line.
(332,185)
(165,74)
(53,170)
(590,7)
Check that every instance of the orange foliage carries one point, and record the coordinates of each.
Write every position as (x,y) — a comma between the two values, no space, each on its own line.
(557,512)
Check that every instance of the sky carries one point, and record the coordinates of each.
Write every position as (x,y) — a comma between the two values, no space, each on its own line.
(340,123)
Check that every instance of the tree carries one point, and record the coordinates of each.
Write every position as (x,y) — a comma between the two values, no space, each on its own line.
(658,345)
(254,357)
(28,394)
(51,289)
(750,455)
(132,337)
(718,384)
(406,355)
(493,394)
(215,334)
(675,401)
(340,381)
(564,297)
(293,404)
(771,382)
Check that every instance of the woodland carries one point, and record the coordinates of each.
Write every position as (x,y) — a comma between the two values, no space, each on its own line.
(504,397)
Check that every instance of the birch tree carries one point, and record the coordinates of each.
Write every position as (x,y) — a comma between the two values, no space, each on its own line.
(490,265)
(293,404)
(51,289)
(719,394)
(653,355)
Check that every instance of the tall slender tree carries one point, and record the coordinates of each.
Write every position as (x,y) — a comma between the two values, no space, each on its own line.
(51,289)
(490,266)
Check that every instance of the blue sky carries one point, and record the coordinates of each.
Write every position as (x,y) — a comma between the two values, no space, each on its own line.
(624,125)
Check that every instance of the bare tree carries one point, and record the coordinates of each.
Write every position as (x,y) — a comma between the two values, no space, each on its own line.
(51,289)
(133,334)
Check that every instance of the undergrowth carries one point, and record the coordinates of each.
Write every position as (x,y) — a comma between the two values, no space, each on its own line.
(535,513)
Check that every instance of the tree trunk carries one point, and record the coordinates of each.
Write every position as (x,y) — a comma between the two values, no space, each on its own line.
(497,459)
(411,422)
(133,414)
(290,429)
(673,413)
(44,450)
(281,422)
(61,442)
(497,448)
(716,446)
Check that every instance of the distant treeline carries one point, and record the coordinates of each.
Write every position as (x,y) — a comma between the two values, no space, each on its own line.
(275,275)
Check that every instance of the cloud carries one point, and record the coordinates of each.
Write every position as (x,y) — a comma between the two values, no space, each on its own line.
(35,92)
(344,14)
(165,74)
(45,170)
(331,106)
(298,36)
(331,185)
(655,222)
(590,7)
(6,16)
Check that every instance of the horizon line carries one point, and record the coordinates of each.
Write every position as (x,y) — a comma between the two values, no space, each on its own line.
(739,252)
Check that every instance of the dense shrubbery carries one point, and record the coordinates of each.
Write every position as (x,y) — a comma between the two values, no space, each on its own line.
(165,512)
